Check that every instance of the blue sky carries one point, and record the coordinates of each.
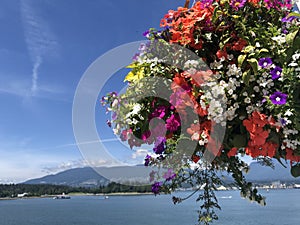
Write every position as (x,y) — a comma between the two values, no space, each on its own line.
(45,48)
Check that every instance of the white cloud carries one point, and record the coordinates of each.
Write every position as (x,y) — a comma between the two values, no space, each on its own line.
(23,89)
(19,165)
(81,143)
(36,66)
(140,153)
(39,38)
(77,164)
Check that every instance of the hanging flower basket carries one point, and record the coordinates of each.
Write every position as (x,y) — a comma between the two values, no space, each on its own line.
(219,81)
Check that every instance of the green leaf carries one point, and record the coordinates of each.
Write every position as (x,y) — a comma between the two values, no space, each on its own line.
(293,14)
(295,170)
(241,59)
(254,64)
(263,50)
(248,49)
(291,36)
(246,77)
(296,44)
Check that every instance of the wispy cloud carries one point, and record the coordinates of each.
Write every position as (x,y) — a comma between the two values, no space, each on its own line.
(12,85)
(34,85)
(39,38)
(81,143)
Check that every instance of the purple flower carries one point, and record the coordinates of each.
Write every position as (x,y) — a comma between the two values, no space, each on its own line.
(169,175)
(114,116)
(278,98)
(283,121)
(288,19)
(146,33)
(156,187)
(108,122)
(159,145)
(172,123)
(159,111)
(206,3)
(276,72)
(146,135)
(143,47)
(265,62)
(147,160)
(237,4)
(136,57)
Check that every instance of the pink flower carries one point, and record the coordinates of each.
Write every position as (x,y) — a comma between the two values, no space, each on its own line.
(173,123)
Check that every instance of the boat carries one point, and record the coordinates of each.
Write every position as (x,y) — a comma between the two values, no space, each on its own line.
(104,197)
(297,186)
(62,196)
(227,196)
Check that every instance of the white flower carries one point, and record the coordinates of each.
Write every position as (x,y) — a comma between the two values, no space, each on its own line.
(136,108)
(288,113)
(247,100)
(279,39)
(256,88)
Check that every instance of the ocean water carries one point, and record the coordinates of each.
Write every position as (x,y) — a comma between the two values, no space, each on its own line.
(283,208)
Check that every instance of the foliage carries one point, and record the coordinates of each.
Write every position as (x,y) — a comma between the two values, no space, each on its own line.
(246,100)
(12,190)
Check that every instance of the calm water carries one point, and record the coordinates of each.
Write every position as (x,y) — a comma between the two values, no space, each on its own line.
(283,209)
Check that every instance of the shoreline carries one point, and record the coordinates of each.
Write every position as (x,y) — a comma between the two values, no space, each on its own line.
(119,194)
(79,195)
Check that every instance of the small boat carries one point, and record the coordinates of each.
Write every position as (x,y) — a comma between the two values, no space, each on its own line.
(227,196)
(62,196)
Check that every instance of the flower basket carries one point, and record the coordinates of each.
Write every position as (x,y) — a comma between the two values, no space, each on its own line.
(220,80)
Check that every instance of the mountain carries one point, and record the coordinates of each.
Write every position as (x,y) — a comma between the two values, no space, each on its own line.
(94,177)
(259,173)
(90,177)
(78,177)
(265,174)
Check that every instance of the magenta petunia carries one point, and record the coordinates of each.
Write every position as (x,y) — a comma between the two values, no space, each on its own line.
(173,123)
(237,4)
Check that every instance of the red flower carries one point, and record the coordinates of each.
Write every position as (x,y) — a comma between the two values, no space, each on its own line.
(221,54)
(290,155)
(239,45)
(232,152)
(195,158)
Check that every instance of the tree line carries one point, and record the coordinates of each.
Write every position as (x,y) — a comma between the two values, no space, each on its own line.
(12,190)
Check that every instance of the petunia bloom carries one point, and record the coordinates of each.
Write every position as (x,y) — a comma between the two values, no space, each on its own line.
(147,160)
(237,4)
(276,72)
(173,123)
(169,175)
(265,62)
(288,19)
(278,98)
(159,145)
(156,187)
